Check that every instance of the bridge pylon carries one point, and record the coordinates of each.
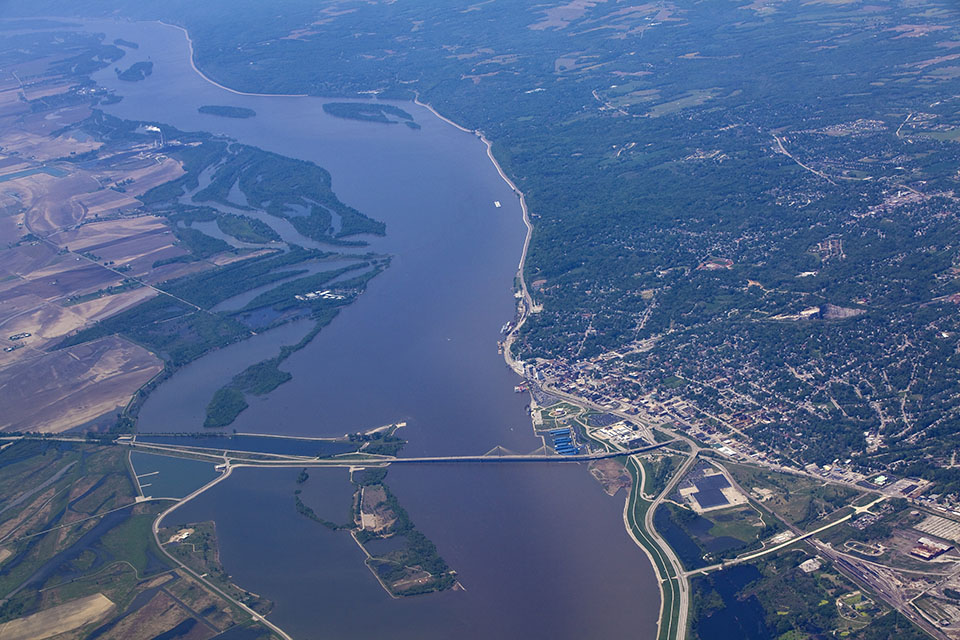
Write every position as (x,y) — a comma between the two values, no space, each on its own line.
(499,452)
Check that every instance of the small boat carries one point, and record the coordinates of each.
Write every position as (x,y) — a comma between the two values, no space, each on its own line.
(496,203)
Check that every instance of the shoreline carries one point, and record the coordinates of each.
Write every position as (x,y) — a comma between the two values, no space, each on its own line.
(526,307)
(186,34)
(155,527)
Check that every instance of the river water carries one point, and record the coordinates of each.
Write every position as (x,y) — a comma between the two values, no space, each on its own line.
(540,549)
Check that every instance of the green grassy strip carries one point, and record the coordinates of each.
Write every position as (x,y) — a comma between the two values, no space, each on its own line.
(636,512)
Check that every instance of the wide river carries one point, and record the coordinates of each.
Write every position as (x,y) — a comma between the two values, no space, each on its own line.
(540,549)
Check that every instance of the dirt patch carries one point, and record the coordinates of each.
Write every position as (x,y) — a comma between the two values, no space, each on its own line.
(74,386)
(560,17)
(161,614)
(92,236)
(55,203)
(916,30)
(215,610)
(56,620)
(416,580)
(50,202)
(36,92)
(100,308)
(611,475)
(833,312)
(26,259)
(133,244)
(64,276)
(173,271)
(222,259)
(41,147)
(375,513)
(10,103)
(44,323)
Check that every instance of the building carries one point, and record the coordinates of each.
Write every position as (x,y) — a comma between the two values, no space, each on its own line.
(928,549)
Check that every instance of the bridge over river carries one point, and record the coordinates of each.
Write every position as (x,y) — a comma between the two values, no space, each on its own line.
(253,458)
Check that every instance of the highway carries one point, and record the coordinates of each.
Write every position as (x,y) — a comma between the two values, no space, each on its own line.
(800,536)
(202,578)
(682,584)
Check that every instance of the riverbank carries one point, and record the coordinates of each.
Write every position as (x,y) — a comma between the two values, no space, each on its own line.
(485,564)
(202,578)
(186,34)
(528,306)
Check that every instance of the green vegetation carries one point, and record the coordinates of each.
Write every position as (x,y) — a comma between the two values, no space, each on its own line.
(799,500)
(369,476)
(283,297)
(892,626)
(200,245)
(286,188)
(227,112)
(262,377)
(657,471)
(388,445)
(403,570)
(227,403)
(304,510)
(370,112)
(54,492)
(413,569)
(265,376)
(133,541)
(179,333)
(175,331)
(126,285)
(775,598)
(136,72)
(636,513)
(703,539)
(200,551)
(246,229)
(209,288)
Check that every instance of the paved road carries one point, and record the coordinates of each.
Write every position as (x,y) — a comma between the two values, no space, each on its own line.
(355,460)
(683,604)
(209,585)
(801,536)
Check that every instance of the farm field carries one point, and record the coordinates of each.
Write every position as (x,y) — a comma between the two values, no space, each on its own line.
(106,242)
